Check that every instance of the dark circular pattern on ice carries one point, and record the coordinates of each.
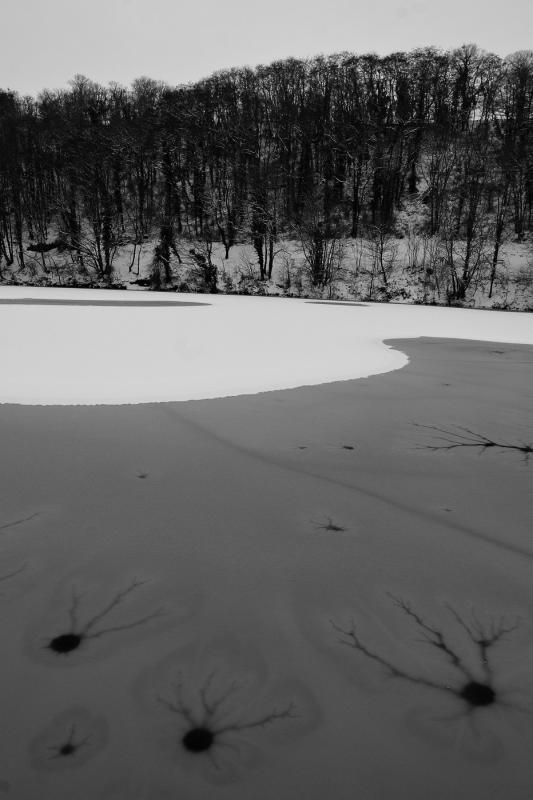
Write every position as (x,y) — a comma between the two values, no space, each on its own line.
(67,749)
(198,740)
(478,694)
(65,643)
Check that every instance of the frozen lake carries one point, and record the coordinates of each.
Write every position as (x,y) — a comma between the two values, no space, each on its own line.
(282,592)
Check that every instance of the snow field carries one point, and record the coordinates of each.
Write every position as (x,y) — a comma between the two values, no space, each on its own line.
(224,346)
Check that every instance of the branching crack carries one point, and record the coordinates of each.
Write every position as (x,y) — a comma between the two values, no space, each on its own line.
(213,716)
(329,525)
(475,687)
(16,522)
(464,437)
(78,632)
(70,746)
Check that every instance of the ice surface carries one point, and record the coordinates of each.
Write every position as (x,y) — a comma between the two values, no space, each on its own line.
(301,593)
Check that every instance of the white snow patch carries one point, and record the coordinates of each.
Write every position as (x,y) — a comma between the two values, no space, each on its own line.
(82,354)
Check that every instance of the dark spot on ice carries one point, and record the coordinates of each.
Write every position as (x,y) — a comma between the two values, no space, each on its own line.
(302,447)
(198,740)
(65,643)
(67,749)
(347,447)
(478,694)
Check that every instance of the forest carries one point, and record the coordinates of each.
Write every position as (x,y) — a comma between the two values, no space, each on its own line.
(360,162)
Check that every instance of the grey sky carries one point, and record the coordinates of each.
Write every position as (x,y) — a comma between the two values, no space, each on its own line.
(46,42)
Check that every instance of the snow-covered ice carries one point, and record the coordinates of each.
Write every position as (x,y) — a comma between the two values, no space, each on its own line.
(225,345)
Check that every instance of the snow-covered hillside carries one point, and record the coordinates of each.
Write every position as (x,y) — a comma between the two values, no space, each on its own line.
(414,266)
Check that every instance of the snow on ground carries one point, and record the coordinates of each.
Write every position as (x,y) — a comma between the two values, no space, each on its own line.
(202,346)
(414,265)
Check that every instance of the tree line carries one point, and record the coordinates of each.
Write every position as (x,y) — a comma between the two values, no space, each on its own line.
(316,149)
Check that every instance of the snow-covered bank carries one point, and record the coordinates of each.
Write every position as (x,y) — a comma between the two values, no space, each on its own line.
(226,345)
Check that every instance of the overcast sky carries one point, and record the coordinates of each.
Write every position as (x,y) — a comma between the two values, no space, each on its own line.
(45,43)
